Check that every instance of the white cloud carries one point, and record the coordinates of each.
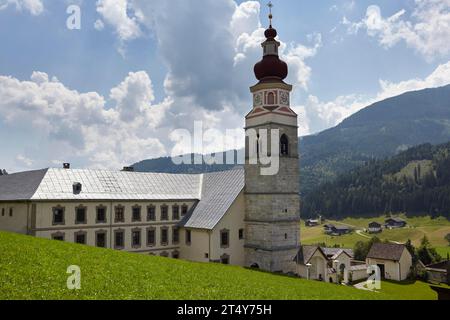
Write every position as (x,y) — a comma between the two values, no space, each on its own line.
(427,29)
(35,7)
(205,82)
(116,14)
(24,160)
(81,125)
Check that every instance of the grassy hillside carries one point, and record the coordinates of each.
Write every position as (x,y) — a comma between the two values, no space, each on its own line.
(418,227)
(32,268)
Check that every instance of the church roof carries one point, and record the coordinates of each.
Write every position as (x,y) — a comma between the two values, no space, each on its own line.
(20,186)
(219,191)
(57,184)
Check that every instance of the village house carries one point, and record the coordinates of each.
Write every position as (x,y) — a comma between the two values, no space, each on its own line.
(439,272)
(328,228)
(395,223)
(312,222)
(340,230)
(329,264)
(394,260)
(374,227)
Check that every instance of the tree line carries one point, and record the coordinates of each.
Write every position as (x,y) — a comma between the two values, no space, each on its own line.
(379,187)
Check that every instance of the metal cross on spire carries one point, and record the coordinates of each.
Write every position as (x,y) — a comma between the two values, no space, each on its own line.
(270,5)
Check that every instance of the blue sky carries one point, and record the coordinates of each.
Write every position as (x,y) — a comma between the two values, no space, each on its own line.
(115,91)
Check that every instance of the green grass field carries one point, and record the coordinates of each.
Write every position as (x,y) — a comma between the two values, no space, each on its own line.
(418,227)
(32,268)
(416,290)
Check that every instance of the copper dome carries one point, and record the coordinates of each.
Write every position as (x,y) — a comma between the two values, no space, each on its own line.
(271,68)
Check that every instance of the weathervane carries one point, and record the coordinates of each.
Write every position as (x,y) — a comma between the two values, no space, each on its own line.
(270,5)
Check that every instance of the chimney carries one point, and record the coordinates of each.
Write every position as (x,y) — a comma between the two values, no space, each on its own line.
(66,165)
(128,169)
(77,187)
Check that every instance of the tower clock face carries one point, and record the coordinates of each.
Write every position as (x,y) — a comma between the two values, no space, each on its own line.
(257,99)
(284,98)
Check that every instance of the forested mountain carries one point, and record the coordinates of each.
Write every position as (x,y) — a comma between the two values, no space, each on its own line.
(378,131)
(416,181)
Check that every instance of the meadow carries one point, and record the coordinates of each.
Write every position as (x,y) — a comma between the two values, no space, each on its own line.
(32,268)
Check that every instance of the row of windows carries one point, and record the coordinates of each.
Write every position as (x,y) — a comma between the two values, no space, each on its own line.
(119,237)
(119,214)
(224,237)
(10,212)
(136,237)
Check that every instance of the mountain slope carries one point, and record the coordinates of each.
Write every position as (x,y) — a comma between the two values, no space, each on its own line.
(416,181)
(378,131)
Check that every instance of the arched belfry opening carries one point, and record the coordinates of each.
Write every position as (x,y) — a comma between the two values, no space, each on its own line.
(270,98)
(284,145)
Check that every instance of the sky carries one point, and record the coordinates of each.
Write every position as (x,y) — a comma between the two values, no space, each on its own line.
(119,88)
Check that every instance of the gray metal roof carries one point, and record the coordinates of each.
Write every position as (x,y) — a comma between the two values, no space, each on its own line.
(57,184)
(219,191)
(117,185)
(216,192)
(20,186)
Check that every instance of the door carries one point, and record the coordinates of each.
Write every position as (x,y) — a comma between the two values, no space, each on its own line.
(382,271)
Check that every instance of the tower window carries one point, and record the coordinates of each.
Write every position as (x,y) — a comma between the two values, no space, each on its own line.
(271,98)
(284,145)
(241,234)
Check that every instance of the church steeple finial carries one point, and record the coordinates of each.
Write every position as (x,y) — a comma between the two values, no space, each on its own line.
(270,5)
(271,68)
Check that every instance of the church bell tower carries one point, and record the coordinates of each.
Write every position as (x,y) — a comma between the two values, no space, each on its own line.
(272,200)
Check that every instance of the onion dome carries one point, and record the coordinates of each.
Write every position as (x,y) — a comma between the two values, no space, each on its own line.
(271,68)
